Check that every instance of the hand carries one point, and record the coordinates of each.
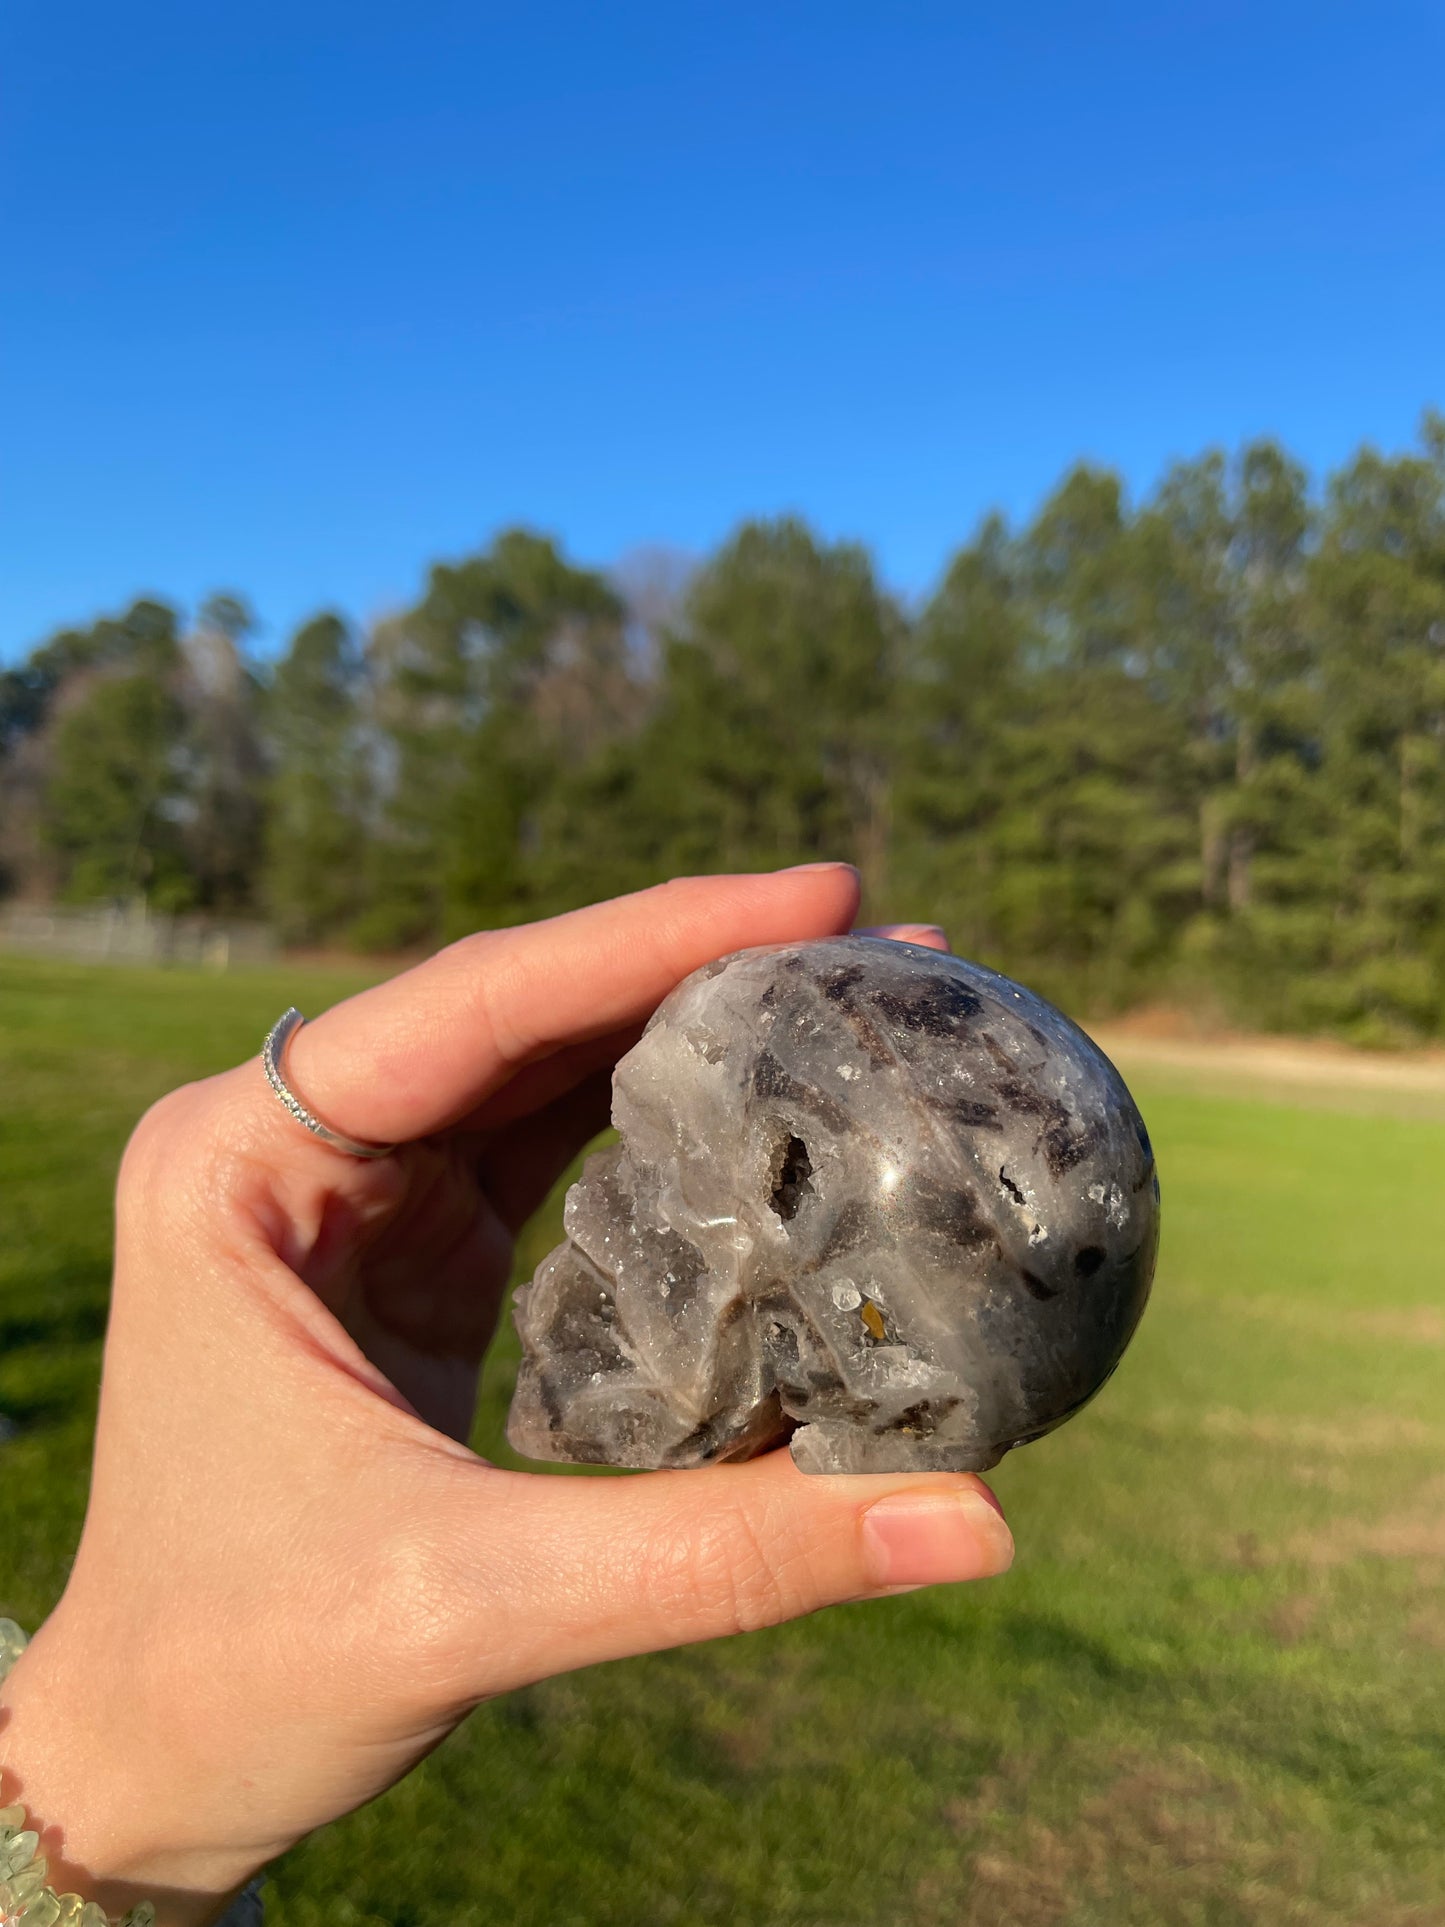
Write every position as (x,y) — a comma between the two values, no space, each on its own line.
(294,1578)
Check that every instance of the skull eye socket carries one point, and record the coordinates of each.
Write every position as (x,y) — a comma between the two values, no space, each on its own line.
(792,1172)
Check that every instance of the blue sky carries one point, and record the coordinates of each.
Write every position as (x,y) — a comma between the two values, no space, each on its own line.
(298,297)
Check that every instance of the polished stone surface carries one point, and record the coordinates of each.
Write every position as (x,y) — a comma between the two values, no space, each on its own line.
(869,1198)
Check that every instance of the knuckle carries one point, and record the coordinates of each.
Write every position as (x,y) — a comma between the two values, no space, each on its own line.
(174,1148)
(734,1576)
(162,1131)
(485,971)
(413,1571)
(349,1638)
(434,1613)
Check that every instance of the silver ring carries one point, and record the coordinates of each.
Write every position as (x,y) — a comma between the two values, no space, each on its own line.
(272,1053)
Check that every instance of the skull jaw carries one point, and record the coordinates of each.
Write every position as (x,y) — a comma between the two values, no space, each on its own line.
(580,1401)
(638,1436)
(641,1436)
(838,1447)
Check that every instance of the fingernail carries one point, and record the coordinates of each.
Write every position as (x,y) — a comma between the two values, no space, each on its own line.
(936,1538)
(833,863)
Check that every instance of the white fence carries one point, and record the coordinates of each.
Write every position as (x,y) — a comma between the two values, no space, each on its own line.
(130,933)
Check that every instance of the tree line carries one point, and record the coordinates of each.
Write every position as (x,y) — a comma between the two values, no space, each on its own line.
(1192,747)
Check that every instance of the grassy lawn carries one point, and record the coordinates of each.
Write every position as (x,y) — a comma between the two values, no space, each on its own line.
(1211,1691)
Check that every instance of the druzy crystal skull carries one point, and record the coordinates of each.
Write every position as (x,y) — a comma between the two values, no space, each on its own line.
(868,1198)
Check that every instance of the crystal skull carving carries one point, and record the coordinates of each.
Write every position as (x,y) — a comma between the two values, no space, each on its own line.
(868,1198)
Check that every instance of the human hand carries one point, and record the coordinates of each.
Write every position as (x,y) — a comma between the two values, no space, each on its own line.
(294,1578)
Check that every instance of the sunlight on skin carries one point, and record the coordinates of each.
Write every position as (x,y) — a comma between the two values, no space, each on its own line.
(250,1260)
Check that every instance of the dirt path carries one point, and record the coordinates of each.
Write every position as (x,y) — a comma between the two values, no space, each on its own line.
(1307,1068)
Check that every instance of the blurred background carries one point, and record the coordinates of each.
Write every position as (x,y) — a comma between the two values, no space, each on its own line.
(460,465)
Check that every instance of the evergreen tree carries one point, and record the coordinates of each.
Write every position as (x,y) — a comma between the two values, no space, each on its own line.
(965,679)
(314,838)
(221,697)
(510,671)
(115,796)
(773,736)
(1377,597)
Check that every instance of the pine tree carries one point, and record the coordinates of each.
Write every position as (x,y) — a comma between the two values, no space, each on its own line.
(315,798)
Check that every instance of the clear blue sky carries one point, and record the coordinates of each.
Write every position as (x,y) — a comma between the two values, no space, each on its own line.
(301,296)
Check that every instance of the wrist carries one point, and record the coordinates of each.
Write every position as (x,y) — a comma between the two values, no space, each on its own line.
(102,1790)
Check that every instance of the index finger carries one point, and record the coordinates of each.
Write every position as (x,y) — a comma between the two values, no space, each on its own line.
(420,1052)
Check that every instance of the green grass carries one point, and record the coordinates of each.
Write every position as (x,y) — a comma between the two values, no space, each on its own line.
(1211,1691)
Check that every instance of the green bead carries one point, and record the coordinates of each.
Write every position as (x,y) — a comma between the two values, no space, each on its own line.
(19,1851)
(70,1910)
(141,1915)
(12,1819)
(12,1645)
(92,1915)
(43,1911)
(26,1885)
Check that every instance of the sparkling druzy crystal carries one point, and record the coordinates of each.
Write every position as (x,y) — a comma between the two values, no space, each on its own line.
(870,1199)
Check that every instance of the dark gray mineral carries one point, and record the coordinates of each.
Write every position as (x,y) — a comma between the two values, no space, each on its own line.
(869,1199)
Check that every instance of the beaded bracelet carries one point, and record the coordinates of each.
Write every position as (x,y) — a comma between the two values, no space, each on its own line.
(25,1900)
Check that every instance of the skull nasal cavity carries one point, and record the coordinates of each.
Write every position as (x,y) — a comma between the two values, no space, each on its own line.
(792,1169)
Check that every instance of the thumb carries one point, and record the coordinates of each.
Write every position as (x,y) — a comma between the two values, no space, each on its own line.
(572,1571)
